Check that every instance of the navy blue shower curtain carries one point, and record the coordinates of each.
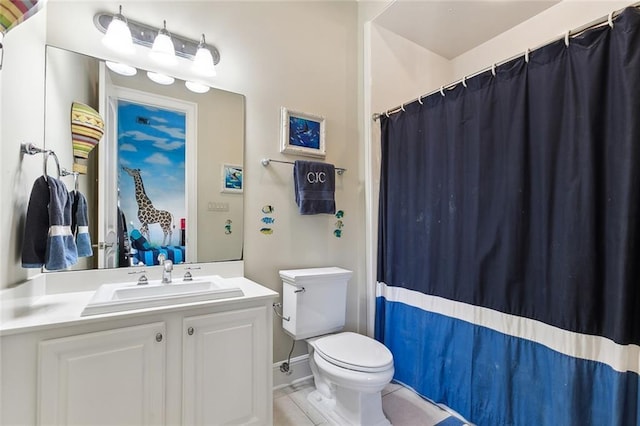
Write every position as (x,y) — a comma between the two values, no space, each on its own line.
(509,237)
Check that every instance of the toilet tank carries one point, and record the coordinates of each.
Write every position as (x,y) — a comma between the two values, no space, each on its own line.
(314,301)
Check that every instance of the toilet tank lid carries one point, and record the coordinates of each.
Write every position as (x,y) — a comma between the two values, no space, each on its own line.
(300,276)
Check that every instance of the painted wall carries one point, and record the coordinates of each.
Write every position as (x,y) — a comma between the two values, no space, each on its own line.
(301,55)
(402,70)
(549,25)
(22,99)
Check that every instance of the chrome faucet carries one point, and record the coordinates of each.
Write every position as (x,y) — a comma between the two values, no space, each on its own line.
(167,267)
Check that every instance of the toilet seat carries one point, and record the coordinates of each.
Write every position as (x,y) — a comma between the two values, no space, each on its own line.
(354,352)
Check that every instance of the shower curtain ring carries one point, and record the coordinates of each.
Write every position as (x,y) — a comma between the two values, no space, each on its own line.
(402,107)
(566,38)
(493,69)
(526,56)
(464,81)
(420,100)
(442,90)
(611,19)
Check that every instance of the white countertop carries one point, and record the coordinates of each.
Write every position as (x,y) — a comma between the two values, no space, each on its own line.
(42,310)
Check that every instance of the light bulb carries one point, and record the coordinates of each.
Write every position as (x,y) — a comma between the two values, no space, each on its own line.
(122,69)
(196,87)
(163,50)
(118,35)
(203,61)
(165,80)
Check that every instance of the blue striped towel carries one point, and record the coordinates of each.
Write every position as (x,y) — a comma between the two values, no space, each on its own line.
(62,251)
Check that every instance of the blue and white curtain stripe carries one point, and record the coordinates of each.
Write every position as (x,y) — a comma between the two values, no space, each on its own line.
(500,369)
(509,237)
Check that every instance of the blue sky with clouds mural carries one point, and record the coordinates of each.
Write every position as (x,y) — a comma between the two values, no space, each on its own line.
(152,139)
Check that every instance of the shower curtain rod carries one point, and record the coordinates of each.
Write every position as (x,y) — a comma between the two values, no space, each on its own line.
(608,19)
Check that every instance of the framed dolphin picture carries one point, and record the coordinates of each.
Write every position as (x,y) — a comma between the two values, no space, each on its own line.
(302,134)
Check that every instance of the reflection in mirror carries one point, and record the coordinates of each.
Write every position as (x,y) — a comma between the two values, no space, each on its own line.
(169,166)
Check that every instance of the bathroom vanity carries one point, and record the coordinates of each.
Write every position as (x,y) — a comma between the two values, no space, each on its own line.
(205,362)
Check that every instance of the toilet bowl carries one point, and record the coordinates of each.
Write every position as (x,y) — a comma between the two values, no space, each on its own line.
(350,371)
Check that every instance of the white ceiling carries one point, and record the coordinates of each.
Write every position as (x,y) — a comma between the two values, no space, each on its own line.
(450,28)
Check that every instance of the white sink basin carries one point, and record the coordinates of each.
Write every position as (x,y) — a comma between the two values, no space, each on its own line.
(126,296)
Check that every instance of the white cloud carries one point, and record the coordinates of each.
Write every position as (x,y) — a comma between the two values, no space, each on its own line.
(128,147)
(141,136)
(159,159)
(159,119)
(174,132)
(168,146)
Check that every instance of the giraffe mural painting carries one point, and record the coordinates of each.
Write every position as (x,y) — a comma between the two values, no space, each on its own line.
(147,213)
(151,179)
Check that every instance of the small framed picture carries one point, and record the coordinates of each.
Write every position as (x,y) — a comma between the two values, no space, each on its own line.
(232,179)
(302,134)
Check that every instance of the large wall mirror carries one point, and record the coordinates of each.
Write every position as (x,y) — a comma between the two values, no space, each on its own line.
(169,167)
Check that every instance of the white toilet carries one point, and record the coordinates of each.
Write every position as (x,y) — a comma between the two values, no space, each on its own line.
(349,369)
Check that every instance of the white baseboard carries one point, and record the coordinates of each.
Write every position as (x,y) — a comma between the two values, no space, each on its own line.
(298,370)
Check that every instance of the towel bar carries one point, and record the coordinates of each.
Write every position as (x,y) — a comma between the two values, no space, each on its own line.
(265,162)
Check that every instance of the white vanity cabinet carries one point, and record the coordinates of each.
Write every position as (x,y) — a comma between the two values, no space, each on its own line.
(111,377)
(207,363)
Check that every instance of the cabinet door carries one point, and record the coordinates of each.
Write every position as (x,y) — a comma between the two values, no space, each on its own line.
(226,367)
(113,377)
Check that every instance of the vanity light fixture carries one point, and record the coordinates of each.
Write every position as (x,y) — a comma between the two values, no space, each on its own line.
(145,35)
(163,50)
(118,35)
(163,79)
(203,61)
(163,45)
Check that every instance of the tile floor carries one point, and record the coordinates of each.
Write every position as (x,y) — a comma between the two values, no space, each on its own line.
(401,406)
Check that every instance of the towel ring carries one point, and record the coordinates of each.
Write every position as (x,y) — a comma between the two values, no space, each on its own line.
(45,160)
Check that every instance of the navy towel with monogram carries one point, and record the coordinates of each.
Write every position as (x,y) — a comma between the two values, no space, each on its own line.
(315,184)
